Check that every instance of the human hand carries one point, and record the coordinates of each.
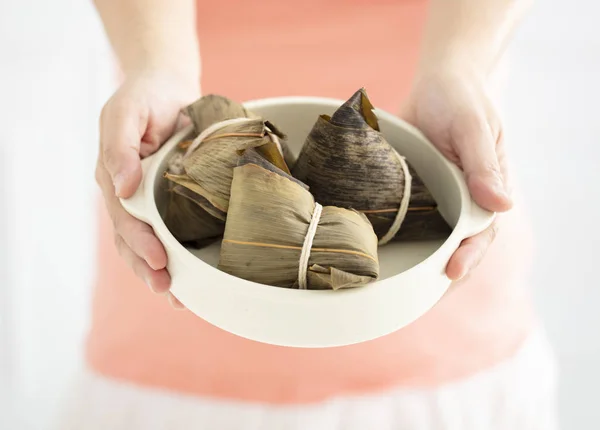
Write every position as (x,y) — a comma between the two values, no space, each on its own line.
(135,122)
(455,112)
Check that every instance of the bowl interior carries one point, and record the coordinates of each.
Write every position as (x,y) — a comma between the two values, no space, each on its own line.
(296,116)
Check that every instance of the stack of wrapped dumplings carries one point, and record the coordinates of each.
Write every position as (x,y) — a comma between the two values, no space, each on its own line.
(314,222)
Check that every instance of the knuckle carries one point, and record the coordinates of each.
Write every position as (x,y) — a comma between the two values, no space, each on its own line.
(104,112)
(478,259)
(139,271)
(134,263)
(127,255)
(482,123)
(98,175)
(477,121)
(108,110)
(138,235)
(492,166)
(122,107)
(119,243)
(117,222)
(110,155)
(493,232)
(115,105)
(498,133)
(469,121)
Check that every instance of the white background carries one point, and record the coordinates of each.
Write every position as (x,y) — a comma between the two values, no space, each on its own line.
(54,76)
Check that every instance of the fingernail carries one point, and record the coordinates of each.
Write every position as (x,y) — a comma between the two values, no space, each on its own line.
(175,303)
(500,189)
(468,261)
(118,183)
(148,281)
(462,274)
(151,263)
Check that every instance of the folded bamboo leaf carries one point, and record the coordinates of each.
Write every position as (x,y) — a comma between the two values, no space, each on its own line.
(213,108)
(199,173)
(190,223)
(267,224)
(347,162)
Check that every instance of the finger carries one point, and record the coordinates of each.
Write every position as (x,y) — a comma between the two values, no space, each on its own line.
(503,163)
(174,302)
(120,138)
(159,281)
(160,130)
(495,125)
(476,148)
(138,235)
(470,253)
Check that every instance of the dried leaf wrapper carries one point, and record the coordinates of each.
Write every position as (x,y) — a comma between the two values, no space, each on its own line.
(347,162)
(200,172)
(268,218)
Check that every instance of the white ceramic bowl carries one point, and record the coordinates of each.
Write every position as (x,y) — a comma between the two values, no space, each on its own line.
(412,275)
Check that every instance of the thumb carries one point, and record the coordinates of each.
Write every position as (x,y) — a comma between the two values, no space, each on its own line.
(476,148)
(120,146)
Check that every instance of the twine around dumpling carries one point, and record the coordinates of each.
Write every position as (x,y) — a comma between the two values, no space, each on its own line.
(403,209)
(307,246)
(207,134)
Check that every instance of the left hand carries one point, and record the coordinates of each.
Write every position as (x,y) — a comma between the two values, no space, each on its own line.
(455,112)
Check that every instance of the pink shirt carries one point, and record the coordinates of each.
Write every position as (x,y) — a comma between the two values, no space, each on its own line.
(270,48)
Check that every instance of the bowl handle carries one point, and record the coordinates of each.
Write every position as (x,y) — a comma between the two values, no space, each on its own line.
(136,204)
(477,219)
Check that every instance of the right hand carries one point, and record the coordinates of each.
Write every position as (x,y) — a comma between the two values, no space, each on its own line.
(140,116)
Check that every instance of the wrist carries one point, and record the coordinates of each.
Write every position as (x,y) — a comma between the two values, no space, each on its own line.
(178,58)
(468,35)
(459,62)
(487,77)
(184,74)
(179,83)
(188,71)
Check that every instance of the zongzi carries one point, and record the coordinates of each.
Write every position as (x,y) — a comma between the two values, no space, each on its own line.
(347,162)
(199,172)
(276,234)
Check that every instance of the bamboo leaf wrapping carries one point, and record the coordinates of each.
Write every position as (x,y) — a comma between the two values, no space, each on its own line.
(199,177)
(269,214)
(347,162)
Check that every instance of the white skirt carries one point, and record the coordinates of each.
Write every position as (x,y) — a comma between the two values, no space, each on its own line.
(517,394)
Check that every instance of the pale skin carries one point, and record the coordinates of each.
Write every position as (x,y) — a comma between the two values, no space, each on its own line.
(449,103)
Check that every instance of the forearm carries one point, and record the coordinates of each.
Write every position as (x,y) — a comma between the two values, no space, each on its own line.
(153,34)
(470,34)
